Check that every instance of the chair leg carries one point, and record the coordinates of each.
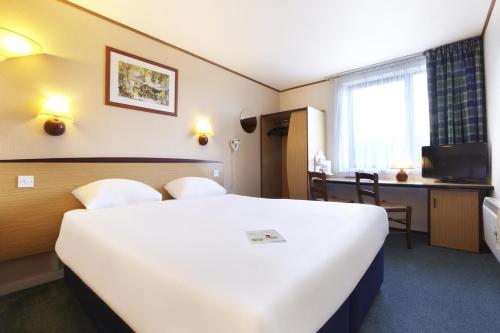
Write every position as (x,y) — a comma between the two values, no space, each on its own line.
(408,227)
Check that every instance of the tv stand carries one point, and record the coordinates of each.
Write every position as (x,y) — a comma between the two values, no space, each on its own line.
(451,181)
(456,181)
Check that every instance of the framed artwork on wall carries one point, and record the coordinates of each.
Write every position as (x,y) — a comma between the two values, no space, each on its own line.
(136,83)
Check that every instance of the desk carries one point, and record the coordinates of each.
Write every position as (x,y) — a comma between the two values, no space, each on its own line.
(428,183)
(454,214)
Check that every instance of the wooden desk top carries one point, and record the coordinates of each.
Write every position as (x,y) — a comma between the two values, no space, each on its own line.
(421,183)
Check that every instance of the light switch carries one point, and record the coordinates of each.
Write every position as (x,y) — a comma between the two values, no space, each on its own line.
(25,181)
(216,172)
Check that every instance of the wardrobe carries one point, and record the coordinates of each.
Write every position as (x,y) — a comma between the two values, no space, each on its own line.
(289,141)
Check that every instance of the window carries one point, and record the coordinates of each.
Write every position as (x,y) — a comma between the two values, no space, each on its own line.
(382,115)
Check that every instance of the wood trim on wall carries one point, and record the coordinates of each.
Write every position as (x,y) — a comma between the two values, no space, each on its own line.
(158,40)
(109,160)
(304,85)
(488,17)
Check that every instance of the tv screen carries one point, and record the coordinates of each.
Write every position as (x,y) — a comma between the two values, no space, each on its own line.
(461,162)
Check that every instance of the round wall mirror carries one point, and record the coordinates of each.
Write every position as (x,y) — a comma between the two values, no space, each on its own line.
(248,121)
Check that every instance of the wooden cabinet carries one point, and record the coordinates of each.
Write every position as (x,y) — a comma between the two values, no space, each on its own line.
(454,219)
(289,141)
(296,156)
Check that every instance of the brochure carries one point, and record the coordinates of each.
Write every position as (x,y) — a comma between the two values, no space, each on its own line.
(264,236)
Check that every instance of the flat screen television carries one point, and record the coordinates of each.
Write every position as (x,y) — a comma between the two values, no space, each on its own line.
(456,163)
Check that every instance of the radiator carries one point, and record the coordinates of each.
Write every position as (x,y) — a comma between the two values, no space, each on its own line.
(491,208)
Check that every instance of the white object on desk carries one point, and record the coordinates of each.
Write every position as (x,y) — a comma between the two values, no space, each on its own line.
(328,167)
(321,164)
(319,159)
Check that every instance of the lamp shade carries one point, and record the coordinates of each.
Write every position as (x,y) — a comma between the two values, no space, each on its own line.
(13,44)
(203,127)
(402,162)
(56,107)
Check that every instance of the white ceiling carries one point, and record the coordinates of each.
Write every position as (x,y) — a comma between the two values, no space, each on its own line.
(284,43)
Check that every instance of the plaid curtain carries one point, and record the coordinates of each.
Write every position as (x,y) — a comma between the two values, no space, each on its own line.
(455,80)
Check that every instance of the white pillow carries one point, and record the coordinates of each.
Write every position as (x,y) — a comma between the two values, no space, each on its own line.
(107,193)
(193,187)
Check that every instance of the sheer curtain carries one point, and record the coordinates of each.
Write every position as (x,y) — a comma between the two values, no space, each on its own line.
(381,115)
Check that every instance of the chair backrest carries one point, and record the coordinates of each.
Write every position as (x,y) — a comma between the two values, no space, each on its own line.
(317,185)
(367,180)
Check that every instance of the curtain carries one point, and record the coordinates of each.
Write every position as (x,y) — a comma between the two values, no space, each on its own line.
(381,115)
(455,75)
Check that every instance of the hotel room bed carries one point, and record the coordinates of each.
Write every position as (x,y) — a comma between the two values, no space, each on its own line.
(188,266)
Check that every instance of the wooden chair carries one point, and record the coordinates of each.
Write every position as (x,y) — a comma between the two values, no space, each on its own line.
(371,180)
(317,188)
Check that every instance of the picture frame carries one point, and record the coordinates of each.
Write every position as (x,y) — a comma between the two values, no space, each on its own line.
(140,84)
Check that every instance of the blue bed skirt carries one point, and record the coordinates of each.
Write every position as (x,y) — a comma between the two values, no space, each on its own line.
(350,315)
(347,319)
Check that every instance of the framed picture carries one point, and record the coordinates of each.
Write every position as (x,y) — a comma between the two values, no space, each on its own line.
(136,83)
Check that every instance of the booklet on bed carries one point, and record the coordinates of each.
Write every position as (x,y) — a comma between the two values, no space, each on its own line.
(264,236)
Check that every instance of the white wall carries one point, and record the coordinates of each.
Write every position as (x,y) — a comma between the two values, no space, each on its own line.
(320,96)
(492,68)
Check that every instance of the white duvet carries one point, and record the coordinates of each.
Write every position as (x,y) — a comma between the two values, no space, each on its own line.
(188,266)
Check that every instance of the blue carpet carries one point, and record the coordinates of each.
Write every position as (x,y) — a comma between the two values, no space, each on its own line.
(49,308)
(432,289)
(426,289)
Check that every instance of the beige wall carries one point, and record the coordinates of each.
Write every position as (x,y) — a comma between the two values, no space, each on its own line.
(492,67)
(73,65)
(318,95)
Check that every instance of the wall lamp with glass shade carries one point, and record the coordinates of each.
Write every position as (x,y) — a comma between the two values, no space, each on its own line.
(13,44)
(203,130)
(56,108)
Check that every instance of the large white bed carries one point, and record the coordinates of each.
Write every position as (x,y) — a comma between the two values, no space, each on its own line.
(188,266)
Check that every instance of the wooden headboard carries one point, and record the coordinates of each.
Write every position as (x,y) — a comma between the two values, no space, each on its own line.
(30,218)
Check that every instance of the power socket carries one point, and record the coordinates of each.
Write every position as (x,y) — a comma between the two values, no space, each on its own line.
(25,181)
(235,144)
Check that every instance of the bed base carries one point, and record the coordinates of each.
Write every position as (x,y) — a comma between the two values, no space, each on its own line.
(351,314)
(347,319)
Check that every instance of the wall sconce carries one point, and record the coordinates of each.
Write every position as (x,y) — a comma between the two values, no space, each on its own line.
(56,108)
(13,44)
(203,130)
